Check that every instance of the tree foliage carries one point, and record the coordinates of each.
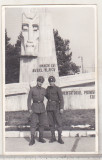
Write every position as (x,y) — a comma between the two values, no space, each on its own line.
(64,56)
(11,61)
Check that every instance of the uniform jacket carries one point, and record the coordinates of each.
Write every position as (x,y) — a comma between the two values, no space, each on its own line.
(55,98)
(36,94)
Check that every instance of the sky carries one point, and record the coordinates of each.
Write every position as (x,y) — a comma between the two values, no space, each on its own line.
(73,22)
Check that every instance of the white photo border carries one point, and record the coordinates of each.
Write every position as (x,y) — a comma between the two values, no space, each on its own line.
(98,61)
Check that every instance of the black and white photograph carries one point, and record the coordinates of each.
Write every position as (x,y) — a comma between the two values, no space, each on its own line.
(50,79)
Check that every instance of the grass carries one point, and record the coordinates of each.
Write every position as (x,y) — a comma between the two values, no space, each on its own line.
(79,117)
(19,120)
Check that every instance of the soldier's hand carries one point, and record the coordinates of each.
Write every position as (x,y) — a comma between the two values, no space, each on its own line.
(30,111)
(61,111)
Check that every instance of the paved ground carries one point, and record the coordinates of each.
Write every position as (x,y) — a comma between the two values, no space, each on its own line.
(71,144)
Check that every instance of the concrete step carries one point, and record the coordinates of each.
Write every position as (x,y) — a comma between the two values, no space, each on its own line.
(77,133)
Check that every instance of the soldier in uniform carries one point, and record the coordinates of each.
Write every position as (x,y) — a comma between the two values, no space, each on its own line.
(37,110)
(54,109)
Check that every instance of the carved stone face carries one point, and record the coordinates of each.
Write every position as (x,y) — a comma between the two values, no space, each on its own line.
(30,32)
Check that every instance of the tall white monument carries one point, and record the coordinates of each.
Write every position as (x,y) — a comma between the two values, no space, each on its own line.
(38,55)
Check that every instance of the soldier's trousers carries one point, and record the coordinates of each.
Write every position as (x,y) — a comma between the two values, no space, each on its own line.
(55,118)
(37,120)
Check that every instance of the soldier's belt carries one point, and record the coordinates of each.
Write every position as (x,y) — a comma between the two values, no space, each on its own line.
(53,101)
(37,101)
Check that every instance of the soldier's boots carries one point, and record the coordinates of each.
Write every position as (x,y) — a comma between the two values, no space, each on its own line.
(53,138)
(41,138)
(32,141)
(60,139)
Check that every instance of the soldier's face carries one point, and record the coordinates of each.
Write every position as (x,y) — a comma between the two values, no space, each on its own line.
(39,83)
(52,83)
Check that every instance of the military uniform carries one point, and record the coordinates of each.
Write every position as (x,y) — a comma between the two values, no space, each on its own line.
(38,114)
(54,104)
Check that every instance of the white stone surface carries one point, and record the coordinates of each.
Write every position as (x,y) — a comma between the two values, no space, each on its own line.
(79,98)
(77,133)
(16,88)
(90,133)
(16,95)
(77,79)
(12,134)
(24,134)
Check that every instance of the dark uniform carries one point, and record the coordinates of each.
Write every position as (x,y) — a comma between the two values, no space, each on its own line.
(38,114)
(54,104)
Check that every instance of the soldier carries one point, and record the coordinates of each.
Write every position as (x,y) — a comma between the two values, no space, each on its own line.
(54,109)
(37,110)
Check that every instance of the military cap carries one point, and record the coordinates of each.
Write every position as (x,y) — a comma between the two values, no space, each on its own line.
(51,79)
(40,79)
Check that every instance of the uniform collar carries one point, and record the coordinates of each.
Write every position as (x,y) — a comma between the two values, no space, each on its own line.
(53,86)
(38,87)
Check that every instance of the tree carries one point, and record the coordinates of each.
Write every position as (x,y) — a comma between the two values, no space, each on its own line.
(64,56)
(8,47)
(7,44)
(18,45)
(11,61)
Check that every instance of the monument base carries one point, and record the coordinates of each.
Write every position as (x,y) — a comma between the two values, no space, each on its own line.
(16,95)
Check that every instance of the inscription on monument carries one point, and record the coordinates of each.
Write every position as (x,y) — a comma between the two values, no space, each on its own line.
(91,93)
(45,68)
